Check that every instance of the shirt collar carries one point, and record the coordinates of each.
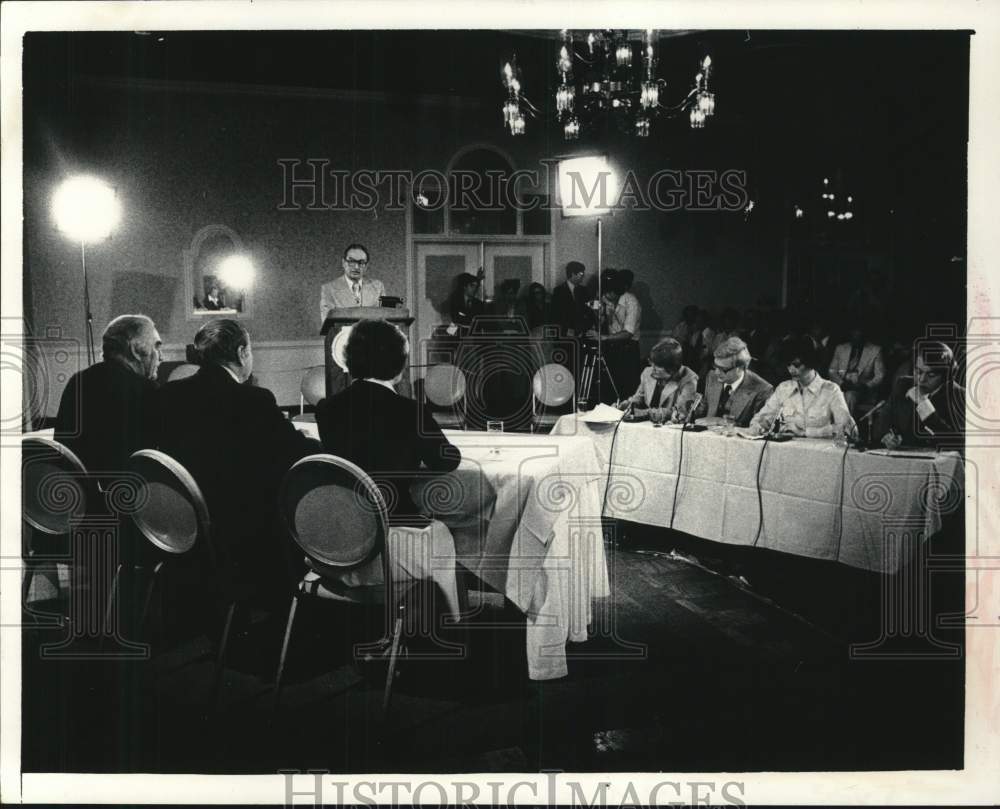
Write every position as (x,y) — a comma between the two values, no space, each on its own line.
(734,385)
(232,373)
(351,283)
(385,383)
(814,386)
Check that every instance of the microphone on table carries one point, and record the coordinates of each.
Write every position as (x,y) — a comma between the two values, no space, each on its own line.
(866,417)
(686,424)
(873,411)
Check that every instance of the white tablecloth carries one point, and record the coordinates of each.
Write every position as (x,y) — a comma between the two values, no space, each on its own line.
(884,498)
(527,521)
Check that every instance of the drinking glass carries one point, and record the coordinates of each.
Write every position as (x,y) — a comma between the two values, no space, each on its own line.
(728,426)
(657,415)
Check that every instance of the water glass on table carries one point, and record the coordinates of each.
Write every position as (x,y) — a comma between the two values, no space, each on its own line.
(494,427)
(728,426)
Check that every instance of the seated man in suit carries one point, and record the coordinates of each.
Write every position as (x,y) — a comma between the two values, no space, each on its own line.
(237,445)
(805,405)
(107,411)
(392,439)
(930,412)
(858,369)
(732,389)
(666,383)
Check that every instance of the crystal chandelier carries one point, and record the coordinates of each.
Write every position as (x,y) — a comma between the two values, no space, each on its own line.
(599,80)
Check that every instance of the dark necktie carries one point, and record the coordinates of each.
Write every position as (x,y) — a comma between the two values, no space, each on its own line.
(654,400)
(723,400)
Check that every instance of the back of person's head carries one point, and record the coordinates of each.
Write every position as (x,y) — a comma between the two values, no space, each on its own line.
(801,349)
(628,277)
(733,348)
(376,350)
(573,267)
(125,333)
(667,354)
(218,342)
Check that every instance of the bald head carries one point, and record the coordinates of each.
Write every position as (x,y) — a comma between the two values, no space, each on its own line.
(133,341)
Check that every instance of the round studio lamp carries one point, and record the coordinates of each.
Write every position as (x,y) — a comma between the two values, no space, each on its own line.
(86,209)
(236,272)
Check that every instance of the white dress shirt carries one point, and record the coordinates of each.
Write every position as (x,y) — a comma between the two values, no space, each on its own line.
(815,411)
(625,315)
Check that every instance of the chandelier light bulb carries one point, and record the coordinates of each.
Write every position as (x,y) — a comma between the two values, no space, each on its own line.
(506,74)
(826,181)
(830,214)
(706,103)
(571,129)
(517,126)
(850,199)
(848,215)
(650,95)
(565,97)
(624,54)
(697,118)
(590,41)
(799,213)
(642,127)
(706,63)
(564,64)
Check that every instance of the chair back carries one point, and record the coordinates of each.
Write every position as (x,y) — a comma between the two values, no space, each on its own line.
(334,512)
(170,511)
(182,371)
(313,387)
(53,485)
(444,385)
(553,385)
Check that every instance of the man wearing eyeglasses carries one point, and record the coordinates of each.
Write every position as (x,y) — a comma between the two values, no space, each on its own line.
(354,287)
(731,388)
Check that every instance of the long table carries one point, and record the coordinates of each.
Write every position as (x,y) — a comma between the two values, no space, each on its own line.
(817,501)
(525,512)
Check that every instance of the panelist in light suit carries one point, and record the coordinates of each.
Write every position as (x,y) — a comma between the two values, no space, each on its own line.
(353,288)
(731,388)
(666,383)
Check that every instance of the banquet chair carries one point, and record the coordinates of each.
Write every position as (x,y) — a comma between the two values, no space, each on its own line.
(552,387)
(54,491)
(337,516)
(182,371)
(445,387)
(312,390)
(172,515)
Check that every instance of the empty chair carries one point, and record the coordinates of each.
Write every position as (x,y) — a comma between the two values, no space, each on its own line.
(172,515)
(182,371)
(552,387)
(312,390)
(53,493)
(336,514)
(444,387)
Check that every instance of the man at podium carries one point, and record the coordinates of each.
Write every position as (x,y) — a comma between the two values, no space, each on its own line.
(353,288)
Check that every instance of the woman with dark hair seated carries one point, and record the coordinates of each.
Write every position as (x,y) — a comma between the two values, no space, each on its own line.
(805,405)
(397,443)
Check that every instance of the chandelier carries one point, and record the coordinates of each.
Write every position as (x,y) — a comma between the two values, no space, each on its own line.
(601,81)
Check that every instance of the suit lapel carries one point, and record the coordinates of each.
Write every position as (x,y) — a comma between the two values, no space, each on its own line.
(713,389)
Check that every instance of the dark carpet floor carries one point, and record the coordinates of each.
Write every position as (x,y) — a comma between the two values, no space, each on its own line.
(687,671)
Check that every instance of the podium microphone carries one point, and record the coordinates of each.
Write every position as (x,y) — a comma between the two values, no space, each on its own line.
(695,404)
(873,411)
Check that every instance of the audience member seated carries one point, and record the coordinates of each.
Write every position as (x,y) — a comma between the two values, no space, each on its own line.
(569,303)
(930,412)
(858,369)
(666,383)
(817,331)
(464,304)
(107,411)
(534,309)
(237,445)
(506,304)
(805,405)
(732,389)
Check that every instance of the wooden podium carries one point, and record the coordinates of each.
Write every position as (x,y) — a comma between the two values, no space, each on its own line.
(336,378)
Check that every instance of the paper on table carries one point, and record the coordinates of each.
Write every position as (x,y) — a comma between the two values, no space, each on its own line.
(602,414)
(903,453)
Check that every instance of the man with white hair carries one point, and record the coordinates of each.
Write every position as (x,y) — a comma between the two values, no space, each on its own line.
(731,388)
(107,410)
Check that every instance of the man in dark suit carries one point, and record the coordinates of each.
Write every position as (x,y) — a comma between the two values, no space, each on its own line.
(930,412)
(369,424)
(732,389)
(237,445)
(569,303)
(107,411)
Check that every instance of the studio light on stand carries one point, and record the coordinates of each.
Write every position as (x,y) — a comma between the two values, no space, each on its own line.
(236,273)
(86,209)
(588,187)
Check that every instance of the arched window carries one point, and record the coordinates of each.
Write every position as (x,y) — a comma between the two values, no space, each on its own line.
(478,204)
